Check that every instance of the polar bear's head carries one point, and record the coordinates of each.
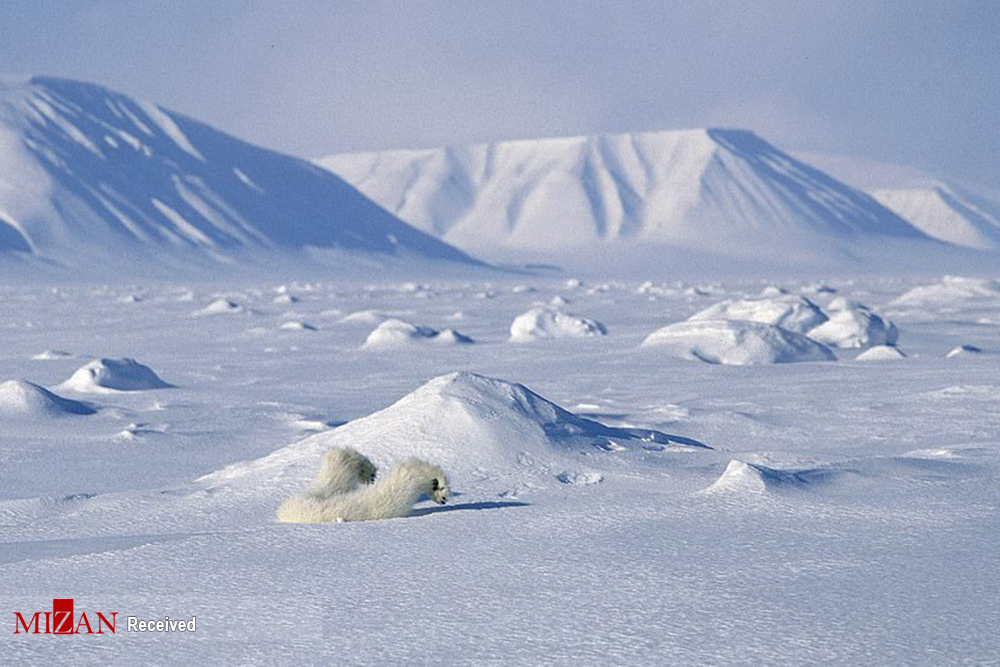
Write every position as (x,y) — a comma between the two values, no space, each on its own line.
(365,470)
(439,492)
(424,477)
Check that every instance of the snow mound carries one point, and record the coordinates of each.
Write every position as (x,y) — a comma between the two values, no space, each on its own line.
(50,355)
(963,351)
(26,400)
(580,478)
(297,326)
(476,427)
(452,337)
(397,333)
(741,477)
(541,323)
(219,307)
(108,375)
(881,353)
(951,290)
(792,313)
(855,327)
(736,343)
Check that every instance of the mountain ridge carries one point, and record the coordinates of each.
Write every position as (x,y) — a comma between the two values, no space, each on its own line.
(89,176)
(959,212)
(948,212)
(702,188)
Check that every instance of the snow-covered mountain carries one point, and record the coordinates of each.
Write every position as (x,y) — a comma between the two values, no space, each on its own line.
(92,179)
(960,215)
(714,190)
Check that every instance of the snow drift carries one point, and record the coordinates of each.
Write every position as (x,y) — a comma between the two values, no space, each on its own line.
(735,343)
(881,353)
(951,291)
(549,322)
(21,399)
(219,307)
(92,179)
(296,325)
(792,313)
(843,323)
(397,333)
(365,317)
(471,425)
(108,375)
(50,355)
(740,477)
(855,327)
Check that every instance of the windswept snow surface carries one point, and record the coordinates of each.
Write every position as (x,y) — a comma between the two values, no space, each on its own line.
(714,190)
(103,185)
(839,513)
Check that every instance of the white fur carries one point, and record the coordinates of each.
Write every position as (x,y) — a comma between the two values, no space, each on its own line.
(341,471)
(391,496)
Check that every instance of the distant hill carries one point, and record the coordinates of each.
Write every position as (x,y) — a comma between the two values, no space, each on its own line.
(949,212)
(961,213)
(711,190)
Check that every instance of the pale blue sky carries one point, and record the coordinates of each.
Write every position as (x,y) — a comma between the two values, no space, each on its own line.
(914,82)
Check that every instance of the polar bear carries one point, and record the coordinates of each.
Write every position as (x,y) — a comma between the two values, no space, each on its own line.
(342,470)
(392,495)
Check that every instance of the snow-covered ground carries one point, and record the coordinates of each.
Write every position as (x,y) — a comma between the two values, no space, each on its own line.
(613,503)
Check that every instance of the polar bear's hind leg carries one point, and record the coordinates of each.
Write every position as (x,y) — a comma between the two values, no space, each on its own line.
(341,471)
